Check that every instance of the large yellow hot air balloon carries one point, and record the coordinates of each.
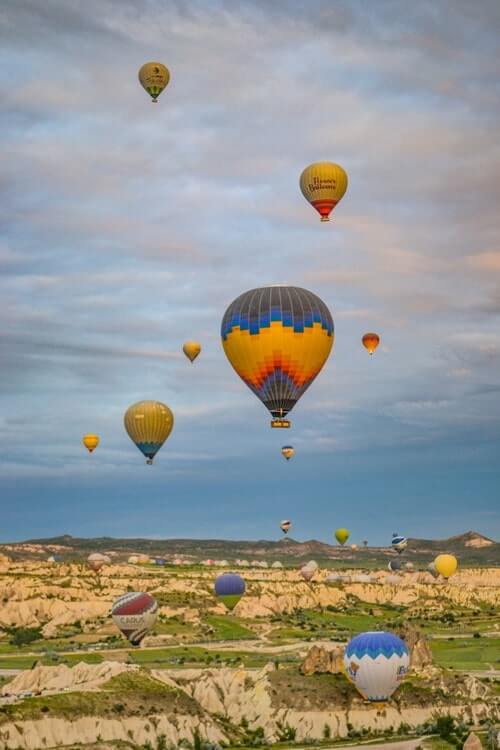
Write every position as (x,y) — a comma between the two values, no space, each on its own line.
(323,184)
(371,341)
(154,77)
(446,565)
(149,423)
(90,441)
(342,535)
(278,338)
(191,349)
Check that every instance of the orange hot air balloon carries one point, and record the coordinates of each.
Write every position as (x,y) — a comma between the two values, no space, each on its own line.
(323,184)
(90,441)
(191,349)
(370,342)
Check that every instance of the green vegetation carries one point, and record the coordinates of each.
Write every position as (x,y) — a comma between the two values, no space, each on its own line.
(291,689)
(467,653)
(196,656)
(226,628)
(128,694)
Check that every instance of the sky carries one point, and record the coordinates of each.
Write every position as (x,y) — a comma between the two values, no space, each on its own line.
(129,227)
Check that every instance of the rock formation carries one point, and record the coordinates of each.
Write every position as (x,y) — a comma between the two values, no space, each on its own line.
(320,659)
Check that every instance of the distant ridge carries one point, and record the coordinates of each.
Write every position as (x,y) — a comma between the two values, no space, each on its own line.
(471,548)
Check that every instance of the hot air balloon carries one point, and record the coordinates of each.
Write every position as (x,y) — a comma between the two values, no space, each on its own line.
(285,526)
(432,570)
(342,535)
(323,184)
(307,573)
(395,565)
(149,423)
(135,614)
(191,349)
(154,77)
(354,547)
(370,342)
(288,451)
(446,565)
(409,566)
(376,663)
(90,441)
(96,561)
(229,588)
(312,564)
(277,338)
(399,543)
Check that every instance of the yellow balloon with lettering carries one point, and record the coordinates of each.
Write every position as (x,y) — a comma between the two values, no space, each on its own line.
(149,423)
(154,77)
(323,184)
(90,441)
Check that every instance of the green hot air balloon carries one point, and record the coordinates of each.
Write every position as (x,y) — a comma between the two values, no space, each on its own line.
(342,535)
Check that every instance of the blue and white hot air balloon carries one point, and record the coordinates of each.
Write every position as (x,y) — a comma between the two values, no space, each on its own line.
(399,543)
(376,663)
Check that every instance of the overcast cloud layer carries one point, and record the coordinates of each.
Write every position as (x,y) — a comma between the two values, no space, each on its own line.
(128,228)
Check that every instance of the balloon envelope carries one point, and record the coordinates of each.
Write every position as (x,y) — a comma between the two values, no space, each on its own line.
(229,588)
(149,423)
(277,338)
(191,349)
(323,184)
(90,441)
(371,341)
(376,663)
(342,535)
(285,526)
(288,451)
(154,77)
(135,613)
(446,565)
(307,573)
(395,565)
(96,561)
(399,543)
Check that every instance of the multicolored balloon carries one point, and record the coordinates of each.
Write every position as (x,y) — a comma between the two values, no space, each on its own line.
(191,349)
(342,535)
(370,342)
(288,451)
(278,338)
(154,77)
(229,588)
(149,423)
(285,526)
(90,441)
(135,614)
(323,184)
(399,543)
(446,565)
(376,663)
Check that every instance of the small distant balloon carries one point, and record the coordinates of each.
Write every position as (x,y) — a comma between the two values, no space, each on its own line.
(354,547)
(96,561)
(323,184)
(307,573)
(154,77)
(446,565)
(395,565)
(432,570)
(376,663)
(90,441)
(135,614)
(285,526)
(191,349)
(229,588)
(399,543)
(371,341)
(342,535)
(288,451)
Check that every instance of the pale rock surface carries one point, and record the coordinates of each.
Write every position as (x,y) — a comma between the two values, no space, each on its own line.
(472,742)
(321,659)
(56,679)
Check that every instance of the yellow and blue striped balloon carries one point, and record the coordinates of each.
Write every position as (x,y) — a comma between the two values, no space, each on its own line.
(278,338)
(148,424)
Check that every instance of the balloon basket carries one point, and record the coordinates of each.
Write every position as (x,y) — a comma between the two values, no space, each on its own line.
(280,423)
